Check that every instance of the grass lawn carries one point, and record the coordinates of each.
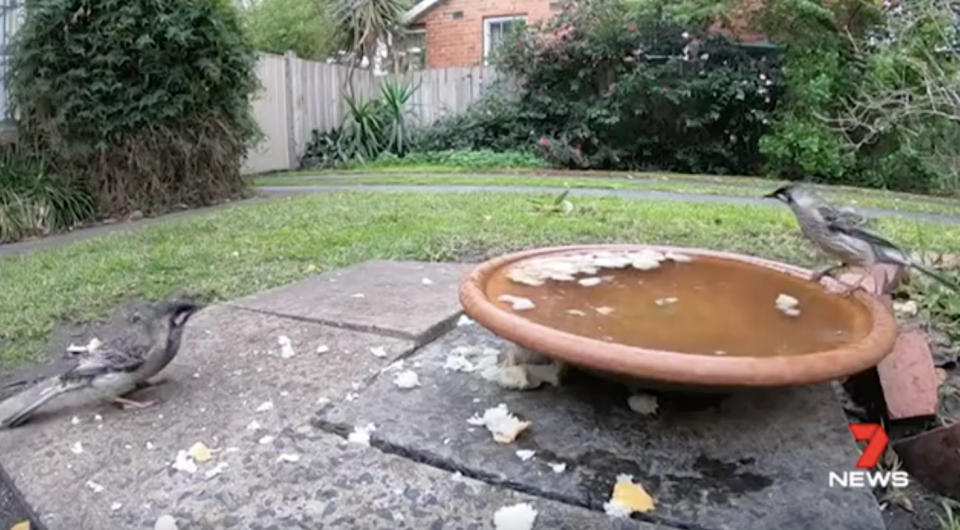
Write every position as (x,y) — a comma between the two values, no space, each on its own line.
(241,250)
(732,186)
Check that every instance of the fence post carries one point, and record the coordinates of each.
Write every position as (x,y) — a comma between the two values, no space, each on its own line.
(289,120)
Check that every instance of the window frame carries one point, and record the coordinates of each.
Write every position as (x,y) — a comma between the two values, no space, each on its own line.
(419,31)
(488,23)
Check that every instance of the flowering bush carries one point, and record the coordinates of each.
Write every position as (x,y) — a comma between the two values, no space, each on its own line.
(604,85)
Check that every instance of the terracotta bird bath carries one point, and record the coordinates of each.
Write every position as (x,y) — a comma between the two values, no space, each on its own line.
(679,316)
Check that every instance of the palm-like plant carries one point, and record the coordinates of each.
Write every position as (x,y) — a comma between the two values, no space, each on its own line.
(364,22)
(362,130)
(395,96)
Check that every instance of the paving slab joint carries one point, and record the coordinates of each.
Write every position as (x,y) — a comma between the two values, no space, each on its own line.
(343,430)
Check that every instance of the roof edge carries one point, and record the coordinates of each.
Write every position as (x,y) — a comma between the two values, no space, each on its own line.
(418,9)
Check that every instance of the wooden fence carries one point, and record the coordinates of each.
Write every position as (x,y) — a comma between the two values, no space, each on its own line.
(300,96)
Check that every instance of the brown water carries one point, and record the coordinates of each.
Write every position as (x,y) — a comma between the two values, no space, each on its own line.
(722,307)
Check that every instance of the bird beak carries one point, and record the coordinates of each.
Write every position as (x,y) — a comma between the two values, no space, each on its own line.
(772,195)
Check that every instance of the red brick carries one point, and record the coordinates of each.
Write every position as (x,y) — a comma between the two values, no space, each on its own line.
(933,458)
(908,377)
(883,279)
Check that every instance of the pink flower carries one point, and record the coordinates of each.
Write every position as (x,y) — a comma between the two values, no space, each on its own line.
(632,26)
(545,142)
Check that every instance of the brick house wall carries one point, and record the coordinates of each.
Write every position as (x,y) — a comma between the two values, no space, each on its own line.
(455,28)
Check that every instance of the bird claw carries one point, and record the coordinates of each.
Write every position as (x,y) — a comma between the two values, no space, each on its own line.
(152,382)
(130,404)
(820,272)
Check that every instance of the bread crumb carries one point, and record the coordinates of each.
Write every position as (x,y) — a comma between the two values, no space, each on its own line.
(458,363)
(576,313)
(590,282)
(627,497)
(908,308)
(184,463)
(517,517)
(604,310)
(525,454)
(678,257)
(286,347)
(200,452)
(518,303)
(407,379)
(378,351)
(504,426)
(361,434)
(558,467)
(165,522)
(645,404)
(785,302)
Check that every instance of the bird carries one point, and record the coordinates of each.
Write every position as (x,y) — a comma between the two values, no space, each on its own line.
(112,370)
(841,234)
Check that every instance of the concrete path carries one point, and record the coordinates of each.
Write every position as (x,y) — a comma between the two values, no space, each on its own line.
(14,249)
(278,425)
(287,191)
(65,238)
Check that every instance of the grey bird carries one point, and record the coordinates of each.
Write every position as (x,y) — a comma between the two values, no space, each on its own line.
(840,234)
(111,370)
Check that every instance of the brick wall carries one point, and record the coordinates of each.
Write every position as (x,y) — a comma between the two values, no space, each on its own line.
(455,41)
(455,27)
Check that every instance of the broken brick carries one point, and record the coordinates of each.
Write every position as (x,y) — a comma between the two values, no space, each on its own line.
(933,459)
(882,279)
(908,377)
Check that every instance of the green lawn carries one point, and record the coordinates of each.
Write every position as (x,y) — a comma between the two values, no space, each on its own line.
(732,186)
(241,250)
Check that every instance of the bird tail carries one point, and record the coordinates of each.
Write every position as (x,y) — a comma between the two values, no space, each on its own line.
(17,408)
(936,276)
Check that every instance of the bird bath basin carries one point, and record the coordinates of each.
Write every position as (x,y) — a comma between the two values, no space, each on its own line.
(676,316)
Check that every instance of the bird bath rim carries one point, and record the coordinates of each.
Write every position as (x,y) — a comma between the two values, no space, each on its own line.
(676,368)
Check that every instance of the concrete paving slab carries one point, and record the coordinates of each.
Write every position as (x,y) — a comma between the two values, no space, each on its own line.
(403,299)
(14,509)
(114,469)
(231,364)
(749,460)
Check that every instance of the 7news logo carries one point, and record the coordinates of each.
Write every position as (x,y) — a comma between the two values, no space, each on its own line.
(877,441)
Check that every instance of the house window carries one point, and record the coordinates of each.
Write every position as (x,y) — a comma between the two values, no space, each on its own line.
(413,50)
(496,29)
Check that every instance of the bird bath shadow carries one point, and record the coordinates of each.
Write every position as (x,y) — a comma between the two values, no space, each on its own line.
(679,316)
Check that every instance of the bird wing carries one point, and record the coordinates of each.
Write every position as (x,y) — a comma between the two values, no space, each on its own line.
(840,217)
(885,250)
(109,359)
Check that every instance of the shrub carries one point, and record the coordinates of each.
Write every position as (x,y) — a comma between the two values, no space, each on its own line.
(872,94)
(370,128)
(33,202)
(145,103)
(305,27)
(497,122)
(604,85)
(459,159)
(323,150)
